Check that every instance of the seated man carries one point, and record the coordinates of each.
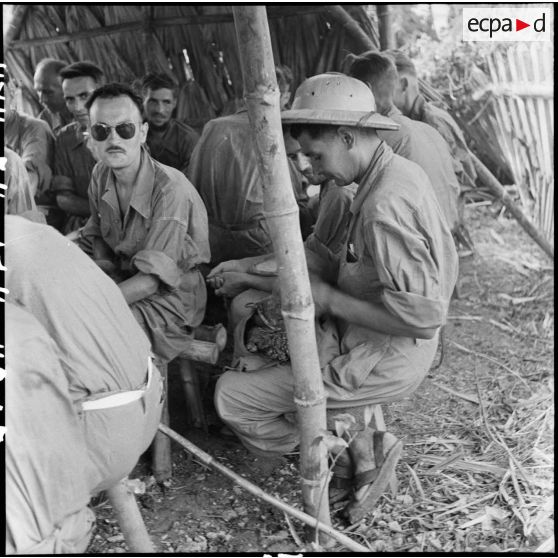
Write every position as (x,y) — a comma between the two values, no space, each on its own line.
(414,140)
(32,140)
(148,225)
(46,83)
(47,466)
(170,142)
(411,103)
(104,354)
(327,239)
(385,301)
(19,199)
(73,161)
(224,169)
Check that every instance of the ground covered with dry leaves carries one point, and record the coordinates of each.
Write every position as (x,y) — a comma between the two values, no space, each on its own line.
(477,468)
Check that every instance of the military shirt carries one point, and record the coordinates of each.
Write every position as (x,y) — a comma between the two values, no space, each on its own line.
(446,126)
(423,145)
(33,141)
(164,233)
(173,146)
(55,120)
(224,169)
(330,231)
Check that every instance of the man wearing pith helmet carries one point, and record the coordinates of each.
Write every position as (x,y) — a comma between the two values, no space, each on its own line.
(386,298)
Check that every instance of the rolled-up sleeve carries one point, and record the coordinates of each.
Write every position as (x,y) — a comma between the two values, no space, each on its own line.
(408,272)
(168,251)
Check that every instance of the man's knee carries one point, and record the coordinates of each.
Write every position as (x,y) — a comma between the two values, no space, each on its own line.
(226,398)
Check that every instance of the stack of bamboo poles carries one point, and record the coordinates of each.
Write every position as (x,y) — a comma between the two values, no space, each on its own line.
(523,94)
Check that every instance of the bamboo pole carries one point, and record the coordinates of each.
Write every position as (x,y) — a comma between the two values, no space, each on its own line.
(14,27)
(492,183)
(129,518)
(279,12)
(340,15)
(261,94)
(387,37)
(255,490)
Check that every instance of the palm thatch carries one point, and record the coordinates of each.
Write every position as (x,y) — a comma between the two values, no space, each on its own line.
(195,43)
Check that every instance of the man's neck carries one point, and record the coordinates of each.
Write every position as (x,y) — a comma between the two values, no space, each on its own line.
(159,129)
(126,177)
(367,151)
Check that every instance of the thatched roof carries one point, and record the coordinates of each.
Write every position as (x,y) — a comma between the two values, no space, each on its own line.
(129,40)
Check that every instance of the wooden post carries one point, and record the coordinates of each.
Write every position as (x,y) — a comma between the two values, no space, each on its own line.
(261,94)
(129,518)
(488,179)
(385,27)
(161,458)
(17,15)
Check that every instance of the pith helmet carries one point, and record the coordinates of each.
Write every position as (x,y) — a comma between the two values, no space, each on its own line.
(336,99)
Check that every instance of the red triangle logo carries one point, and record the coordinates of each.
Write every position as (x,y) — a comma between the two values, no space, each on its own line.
(519,25)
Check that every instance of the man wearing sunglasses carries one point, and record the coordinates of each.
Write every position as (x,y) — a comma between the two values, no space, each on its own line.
(148,225)
(73,162)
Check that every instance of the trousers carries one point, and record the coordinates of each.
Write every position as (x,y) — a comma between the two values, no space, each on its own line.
(259,405)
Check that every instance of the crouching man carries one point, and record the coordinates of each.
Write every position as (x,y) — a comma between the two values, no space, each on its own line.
(385,300)
(104,353)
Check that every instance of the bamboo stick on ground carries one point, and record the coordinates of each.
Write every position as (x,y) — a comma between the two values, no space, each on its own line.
(262,100)
(486,178)
(255,490)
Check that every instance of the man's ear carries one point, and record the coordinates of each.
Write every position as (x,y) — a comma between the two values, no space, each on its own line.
(347,136)
(143,131)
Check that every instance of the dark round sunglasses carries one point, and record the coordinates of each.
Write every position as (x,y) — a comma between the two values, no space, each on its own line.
(100,132)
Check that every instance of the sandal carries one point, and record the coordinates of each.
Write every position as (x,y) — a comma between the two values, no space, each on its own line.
(377,479)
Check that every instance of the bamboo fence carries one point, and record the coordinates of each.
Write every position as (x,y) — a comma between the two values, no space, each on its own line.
(523,94)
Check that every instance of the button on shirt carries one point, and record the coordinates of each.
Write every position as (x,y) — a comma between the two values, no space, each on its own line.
(174,145)
(164,233)
(423,145)
(446,126)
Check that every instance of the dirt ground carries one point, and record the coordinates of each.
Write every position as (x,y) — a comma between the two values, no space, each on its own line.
(477,468)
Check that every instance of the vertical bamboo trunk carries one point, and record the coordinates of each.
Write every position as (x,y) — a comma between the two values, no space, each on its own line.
(261,94)
(385,26)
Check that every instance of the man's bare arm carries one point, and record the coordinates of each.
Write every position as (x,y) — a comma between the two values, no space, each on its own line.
(138,287)
(329,300)
(73,204)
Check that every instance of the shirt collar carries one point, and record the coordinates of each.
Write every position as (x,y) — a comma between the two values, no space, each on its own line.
(77,136)
(381,158)
(417,110)
(143,189)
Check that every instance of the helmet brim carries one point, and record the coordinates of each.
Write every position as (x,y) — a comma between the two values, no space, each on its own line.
(355,118)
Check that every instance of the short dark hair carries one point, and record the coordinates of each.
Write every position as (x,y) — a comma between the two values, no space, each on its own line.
(112,90)
(158,80)
(402,62)
(377,70)
(313,130)
(82,69)
(51,64)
